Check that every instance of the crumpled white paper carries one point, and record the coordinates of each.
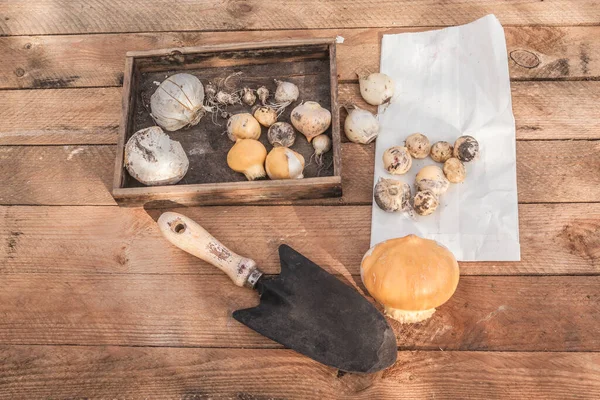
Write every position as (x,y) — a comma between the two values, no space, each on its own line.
(454,82)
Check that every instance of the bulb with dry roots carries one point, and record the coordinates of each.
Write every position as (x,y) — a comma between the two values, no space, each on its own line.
(418,145)
(248,96)
(441,151)
(410,277)
(152,158)
(284,163)
(454,170)
(425,202)
(432,178)
(285,94)
(376,88)
(263,94)
(466,148)
(248,157)
(396,160)
(281,134)
(243,126)
(265,115)
(225,98)
(321,144)
(391,195)
(311,119)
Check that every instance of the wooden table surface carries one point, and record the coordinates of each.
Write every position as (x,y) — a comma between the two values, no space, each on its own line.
(95,304)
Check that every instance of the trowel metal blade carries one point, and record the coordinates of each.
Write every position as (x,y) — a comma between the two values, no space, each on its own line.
(312,312)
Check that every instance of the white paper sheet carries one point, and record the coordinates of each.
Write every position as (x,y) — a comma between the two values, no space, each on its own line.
(454,82)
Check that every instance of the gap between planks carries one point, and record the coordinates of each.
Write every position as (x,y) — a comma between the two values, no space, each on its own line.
(44,17)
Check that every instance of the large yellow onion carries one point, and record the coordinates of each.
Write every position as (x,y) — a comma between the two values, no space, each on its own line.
(177,102)
(410,276)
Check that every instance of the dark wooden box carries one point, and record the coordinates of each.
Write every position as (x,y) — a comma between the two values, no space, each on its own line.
(309,63)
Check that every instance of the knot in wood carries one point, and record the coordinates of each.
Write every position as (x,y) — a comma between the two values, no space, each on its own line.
(525,58)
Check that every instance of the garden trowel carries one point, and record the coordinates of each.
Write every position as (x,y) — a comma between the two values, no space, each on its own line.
(304,307)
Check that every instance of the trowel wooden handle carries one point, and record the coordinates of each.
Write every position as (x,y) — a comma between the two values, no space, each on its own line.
(191,237)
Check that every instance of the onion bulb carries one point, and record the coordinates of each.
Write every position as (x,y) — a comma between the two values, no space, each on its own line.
(396,160)
(265,115)
(432,178)
(284,163)
(376,88)
(418,145)
(311,119)
(455,170)
(248,96)
(466,148)
(425,202)
(225,98)
(177,102)
(440,151)
(152,158)
(248,156)
(392,195)
(361,126)
(263,94)
(410,277)
(321,144)
(243,126)
(281,134)
(285,94)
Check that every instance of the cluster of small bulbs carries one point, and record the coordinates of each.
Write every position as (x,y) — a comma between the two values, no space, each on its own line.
(181,100)
(431,181)
(249,156)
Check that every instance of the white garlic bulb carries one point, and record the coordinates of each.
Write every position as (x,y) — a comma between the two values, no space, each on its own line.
(177,102)
(152,158)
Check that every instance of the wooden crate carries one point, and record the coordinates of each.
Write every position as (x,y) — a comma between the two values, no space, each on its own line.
(309,63)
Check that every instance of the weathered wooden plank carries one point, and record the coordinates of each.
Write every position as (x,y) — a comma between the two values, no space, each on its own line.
(82,116)
(56,17)
(543,110)
(127,372)
(519,313)
(555,239)
(56,174)
(98,60)
(547,171)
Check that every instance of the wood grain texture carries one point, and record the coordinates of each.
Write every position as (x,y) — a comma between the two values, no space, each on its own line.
(59,116)
(485,313)
(539,52)
(555,239)
(62,16)
(547,171)
(127,372)
(56,174)
(543,110)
